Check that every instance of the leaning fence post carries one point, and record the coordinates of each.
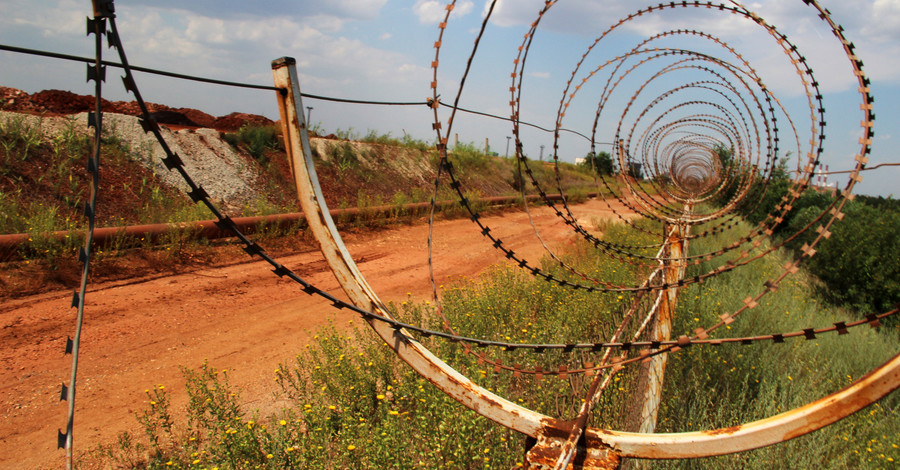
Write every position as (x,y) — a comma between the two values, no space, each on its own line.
(284,73)
(309,192)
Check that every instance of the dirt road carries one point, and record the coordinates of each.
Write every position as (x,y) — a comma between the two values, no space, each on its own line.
(243,318)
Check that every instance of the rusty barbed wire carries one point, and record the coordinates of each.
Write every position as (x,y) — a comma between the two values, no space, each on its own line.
(684,171)
(689,143)
(199,195)
(96,72)
(765,227)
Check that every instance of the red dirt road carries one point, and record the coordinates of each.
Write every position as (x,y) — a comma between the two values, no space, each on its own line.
(242,318)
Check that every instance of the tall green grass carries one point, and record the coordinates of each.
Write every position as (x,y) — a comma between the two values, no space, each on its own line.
(709,387)
(352,404)
(19,137)
(256,140)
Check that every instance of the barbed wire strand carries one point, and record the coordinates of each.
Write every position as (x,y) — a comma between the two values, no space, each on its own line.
(96,72)
(214,81)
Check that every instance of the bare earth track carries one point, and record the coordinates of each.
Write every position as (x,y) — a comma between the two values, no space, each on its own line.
(138,332)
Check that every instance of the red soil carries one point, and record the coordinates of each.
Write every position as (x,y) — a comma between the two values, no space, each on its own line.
(139,331)
(59,102)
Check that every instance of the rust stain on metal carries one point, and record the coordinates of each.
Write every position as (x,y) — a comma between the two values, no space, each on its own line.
(545,453)
(731,430)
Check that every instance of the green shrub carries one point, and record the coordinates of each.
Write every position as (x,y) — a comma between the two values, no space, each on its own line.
(353,404)
(468,158)
(708,387)
(860,262)
(374,137)
(18,137)
(256,140)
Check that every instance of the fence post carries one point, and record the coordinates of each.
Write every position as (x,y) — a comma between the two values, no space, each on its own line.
(461,388)
(653,373)
(309,192)
(672,271)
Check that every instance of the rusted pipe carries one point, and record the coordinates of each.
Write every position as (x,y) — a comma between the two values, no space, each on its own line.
(134,235)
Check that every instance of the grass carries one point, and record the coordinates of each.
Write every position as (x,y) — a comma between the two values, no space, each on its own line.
(711,387)
(46,187)
(19,136)
(353,404)
(256,140)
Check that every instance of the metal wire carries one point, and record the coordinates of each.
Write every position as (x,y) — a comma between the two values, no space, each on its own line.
(646,144)
(214,81)
(95,72)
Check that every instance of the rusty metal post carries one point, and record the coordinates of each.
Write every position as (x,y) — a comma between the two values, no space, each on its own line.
(603,445)
(354,284)
(652,375)
(673,271)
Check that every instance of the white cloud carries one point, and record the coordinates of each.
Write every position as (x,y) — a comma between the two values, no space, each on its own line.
(210,30)
(873,25)
(429,11)
(67,17)
(294,9)
(434,11)
(884,23)
(385,36)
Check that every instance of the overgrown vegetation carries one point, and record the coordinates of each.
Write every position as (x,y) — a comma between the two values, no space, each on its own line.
(600,163)
(18,139)
(353,404)
(722,386)
(46,185)
(256,140)
(859,263)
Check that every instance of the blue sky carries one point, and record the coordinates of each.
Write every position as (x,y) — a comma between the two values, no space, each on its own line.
(382,50)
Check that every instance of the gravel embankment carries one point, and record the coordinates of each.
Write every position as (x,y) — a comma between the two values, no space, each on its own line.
(226,175)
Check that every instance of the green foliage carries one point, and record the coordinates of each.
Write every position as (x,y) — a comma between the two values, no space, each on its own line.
(18,137)
(256,140)
(880,202)
(398,201)
(373,137)
(348,134)
(860,262)
(765,195)
(468,158)
(409,142)
(601,163)
(344,156)
(38,220)
(351,403)
(708,387)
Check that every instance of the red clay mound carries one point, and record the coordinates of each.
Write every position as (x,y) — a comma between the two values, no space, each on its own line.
(64,102)
(59,102)
(235,121)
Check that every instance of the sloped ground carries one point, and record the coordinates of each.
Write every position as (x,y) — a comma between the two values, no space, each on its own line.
(59,102)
